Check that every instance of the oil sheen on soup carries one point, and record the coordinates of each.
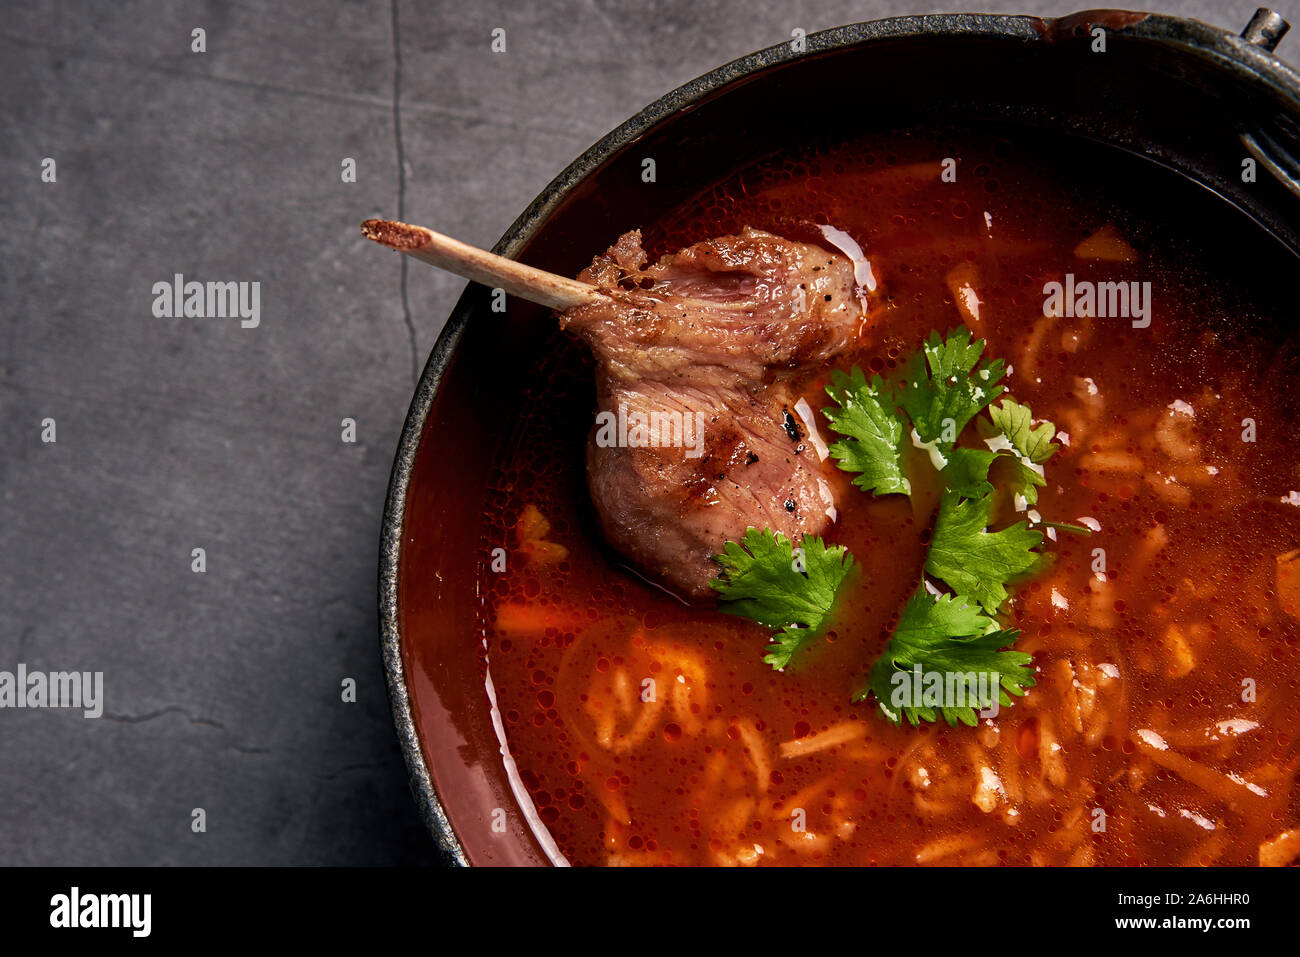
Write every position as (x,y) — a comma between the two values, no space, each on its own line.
(1162,729)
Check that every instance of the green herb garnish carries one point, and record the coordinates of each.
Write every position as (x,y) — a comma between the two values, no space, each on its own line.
(960,647)
(1031,446)
(953,638)
(975,562)
(873,433)
(946,385)
(765,579)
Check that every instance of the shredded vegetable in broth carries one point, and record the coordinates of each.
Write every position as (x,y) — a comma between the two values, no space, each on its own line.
(1160,728)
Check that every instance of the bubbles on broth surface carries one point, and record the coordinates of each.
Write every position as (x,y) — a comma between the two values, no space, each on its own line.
(651,732)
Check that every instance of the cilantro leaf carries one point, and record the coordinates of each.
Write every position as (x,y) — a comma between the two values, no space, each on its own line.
(967,472)
(950,640)
(974,561)
(764,580)
(1022,480)
(956,644)
(1029,447)
(873,433)
(1015,421)
(946,385)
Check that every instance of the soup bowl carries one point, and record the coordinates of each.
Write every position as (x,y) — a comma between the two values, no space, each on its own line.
(1194,99)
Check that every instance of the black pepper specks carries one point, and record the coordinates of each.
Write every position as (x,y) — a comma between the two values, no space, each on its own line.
(791,426)
(789,505)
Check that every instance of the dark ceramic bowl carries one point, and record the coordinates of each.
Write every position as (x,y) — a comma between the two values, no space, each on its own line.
(1190,97)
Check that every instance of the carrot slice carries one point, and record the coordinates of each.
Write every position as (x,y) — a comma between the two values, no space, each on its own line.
(532,530)
(1288,583)
(1106,243)
(1280,851)
(527,620)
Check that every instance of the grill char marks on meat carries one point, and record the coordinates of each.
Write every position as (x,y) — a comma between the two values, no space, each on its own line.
(717,329)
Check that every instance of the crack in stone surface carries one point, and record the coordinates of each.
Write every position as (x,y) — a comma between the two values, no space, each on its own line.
(192,719)
(401,184)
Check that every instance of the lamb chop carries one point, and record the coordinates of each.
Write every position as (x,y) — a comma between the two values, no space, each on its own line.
(717,329)
(705,343)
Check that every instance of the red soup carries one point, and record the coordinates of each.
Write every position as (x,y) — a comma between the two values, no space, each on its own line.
(1162,727)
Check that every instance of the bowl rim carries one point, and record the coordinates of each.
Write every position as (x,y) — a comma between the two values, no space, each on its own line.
(1226,49)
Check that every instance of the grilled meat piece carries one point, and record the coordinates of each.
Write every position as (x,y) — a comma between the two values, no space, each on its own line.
(699,436)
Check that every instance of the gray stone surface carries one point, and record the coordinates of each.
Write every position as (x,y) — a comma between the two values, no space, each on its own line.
(223,689)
